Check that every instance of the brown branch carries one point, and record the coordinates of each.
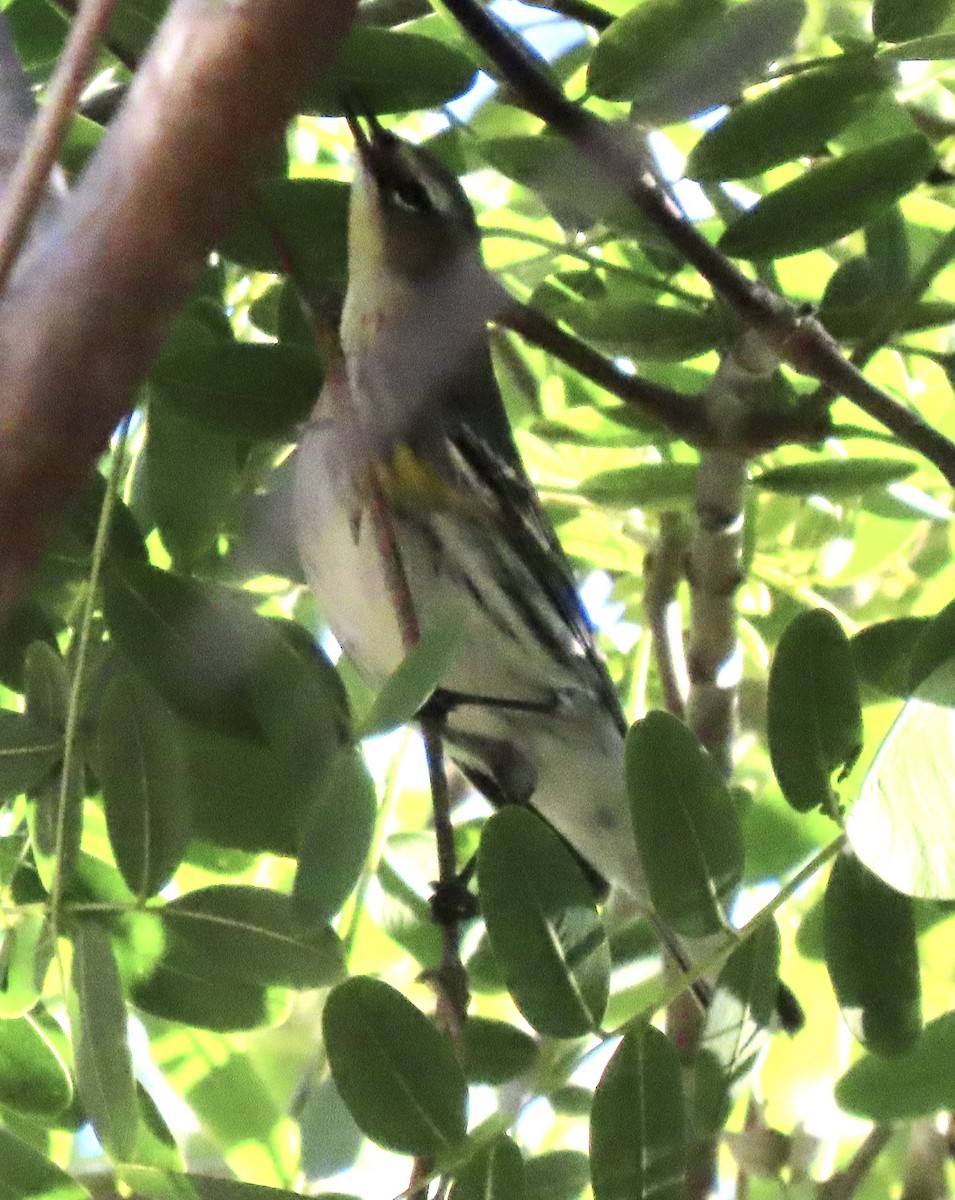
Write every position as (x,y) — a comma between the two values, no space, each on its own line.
(90,302)
(664,568)
(25,190)
(798,339)
(844,1184)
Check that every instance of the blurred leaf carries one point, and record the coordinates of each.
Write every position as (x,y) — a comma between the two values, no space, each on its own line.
(556,1175)
(899,20)
(686,823)
(25,956)
(718,58)
(25,1174)
(495,1052)
(396,1073)
(872,957)
(337,837)
(649,485)
(637,1125)
(104,1065)
(222,390)
(496,1172)
(814,718)
(34,1080)
(191,480)
(142,772)
(830,200)
(56,843)
(835,478)
(918,1083)
(299,225)
(882,653)
(790,121)
(420,673)
(543,926)
(28,753)
(254,935)
(390,72)
(934,46)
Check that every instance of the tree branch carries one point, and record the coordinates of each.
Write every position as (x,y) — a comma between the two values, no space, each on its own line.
(90,302)
(796,338)
(25,189)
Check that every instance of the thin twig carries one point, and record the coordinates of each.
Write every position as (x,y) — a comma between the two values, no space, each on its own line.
(74,700)
(845,1183)
(798,339)
(24,191)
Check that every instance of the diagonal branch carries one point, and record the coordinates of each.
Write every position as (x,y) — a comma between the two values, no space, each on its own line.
(796,338)
(90,302)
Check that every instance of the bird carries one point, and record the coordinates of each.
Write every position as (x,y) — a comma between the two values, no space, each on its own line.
(411,420)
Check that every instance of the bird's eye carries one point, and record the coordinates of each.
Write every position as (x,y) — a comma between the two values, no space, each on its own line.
(411,195)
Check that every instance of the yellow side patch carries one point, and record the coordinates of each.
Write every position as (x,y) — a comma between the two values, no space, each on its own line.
(410,482)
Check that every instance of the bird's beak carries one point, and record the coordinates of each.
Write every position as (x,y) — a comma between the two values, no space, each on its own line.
(368,143)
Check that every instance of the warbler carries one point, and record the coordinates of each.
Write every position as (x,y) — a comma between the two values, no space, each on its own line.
(411,423)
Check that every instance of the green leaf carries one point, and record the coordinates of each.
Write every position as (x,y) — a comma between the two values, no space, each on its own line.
(395,1072)
(337,838)
(25,956)
(637,1124)
(34,1080)
(835,478)
(153,1184)
(142,771)
(230,781)
(814,717)
(28,753)
(703,63)
(830,200)
(742,1007)
(495,1052)
(46,686)
(420,673)
(391,72)
(542,924)
(686,823)
(55,849)
(795,119)
(915,1084)
(882,653)
(899,20)
(633,52)
(627,324)
(104,1065)
(25,1174)
(185,988)
(556,1175)
(649,485)
(199,646)
(222,390)
(932,666)
(496,1172)
(300,226)
(191,481)
(872,957)
(923,49)
(254,935)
